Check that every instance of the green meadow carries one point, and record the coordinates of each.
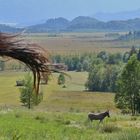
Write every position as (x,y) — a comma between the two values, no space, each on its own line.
(62,115)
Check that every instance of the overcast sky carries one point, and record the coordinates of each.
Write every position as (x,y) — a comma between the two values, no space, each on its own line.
(33,10)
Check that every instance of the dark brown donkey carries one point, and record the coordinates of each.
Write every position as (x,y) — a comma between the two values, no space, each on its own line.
(101,116)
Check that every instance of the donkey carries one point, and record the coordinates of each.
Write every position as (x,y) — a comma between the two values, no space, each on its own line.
(101,116)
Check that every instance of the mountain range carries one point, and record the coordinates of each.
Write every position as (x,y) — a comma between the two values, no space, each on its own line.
(81,23)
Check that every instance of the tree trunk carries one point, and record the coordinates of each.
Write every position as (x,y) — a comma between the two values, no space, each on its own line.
(132,106)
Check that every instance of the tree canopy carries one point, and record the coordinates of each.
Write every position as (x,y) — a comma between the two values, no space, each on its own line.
(128,95)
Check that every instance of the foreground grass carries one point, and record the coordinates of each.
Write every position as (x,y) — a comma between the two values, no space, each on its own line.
(33,125)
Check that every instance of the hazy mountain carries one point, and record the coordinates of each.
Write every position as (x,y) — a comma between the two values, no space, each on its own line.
(9,29)
(125,15)
(57,23)
(81,23)
(131,24)
(84,20)
(62,24)
(50,24)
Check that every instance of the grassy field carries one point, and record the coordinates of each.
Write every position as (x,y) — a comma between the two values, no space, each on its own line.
(63,113)
(56,98)
(33,125)
(66,43)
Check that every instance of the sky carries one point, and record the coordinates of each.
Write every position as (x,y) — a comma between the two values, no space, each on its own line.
(23,11)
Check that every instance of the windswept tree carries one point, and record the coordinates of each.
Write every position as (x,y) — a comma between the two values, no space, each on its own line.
(32,55)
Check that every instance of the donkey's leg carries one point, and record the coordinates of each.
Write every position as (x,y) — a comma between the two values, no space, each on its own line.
(101,121)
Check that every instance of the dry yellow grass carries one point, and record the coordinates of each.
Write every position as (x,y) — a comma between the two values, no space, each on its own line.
(80,101)
(56,98)
(66,43)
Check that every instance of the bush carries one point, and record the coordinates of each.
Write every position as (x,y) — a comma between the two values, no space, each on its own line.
(109,128)
(125,111)
(61,79)
(64,86)
(42,119)
(17,115)
(67,122)
(133,118)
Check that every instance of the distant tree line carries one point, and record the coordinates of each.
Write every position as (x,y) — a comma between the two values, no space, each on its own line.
(103,68)
(83,62)
(75,62)
(103,77)
(131,35)
(15,66)
(105,71)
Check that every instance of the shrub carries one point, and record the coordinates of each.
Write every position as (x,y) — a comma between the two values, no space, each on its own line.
(125,111)
(64,86)
(109,128)
(17,115)
(61,79)
(133,118)
(42,119)
(67,122)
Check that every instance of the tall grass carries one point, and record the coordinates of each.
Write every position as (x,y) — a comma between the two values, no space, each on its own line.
(39,125)
(130,135)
